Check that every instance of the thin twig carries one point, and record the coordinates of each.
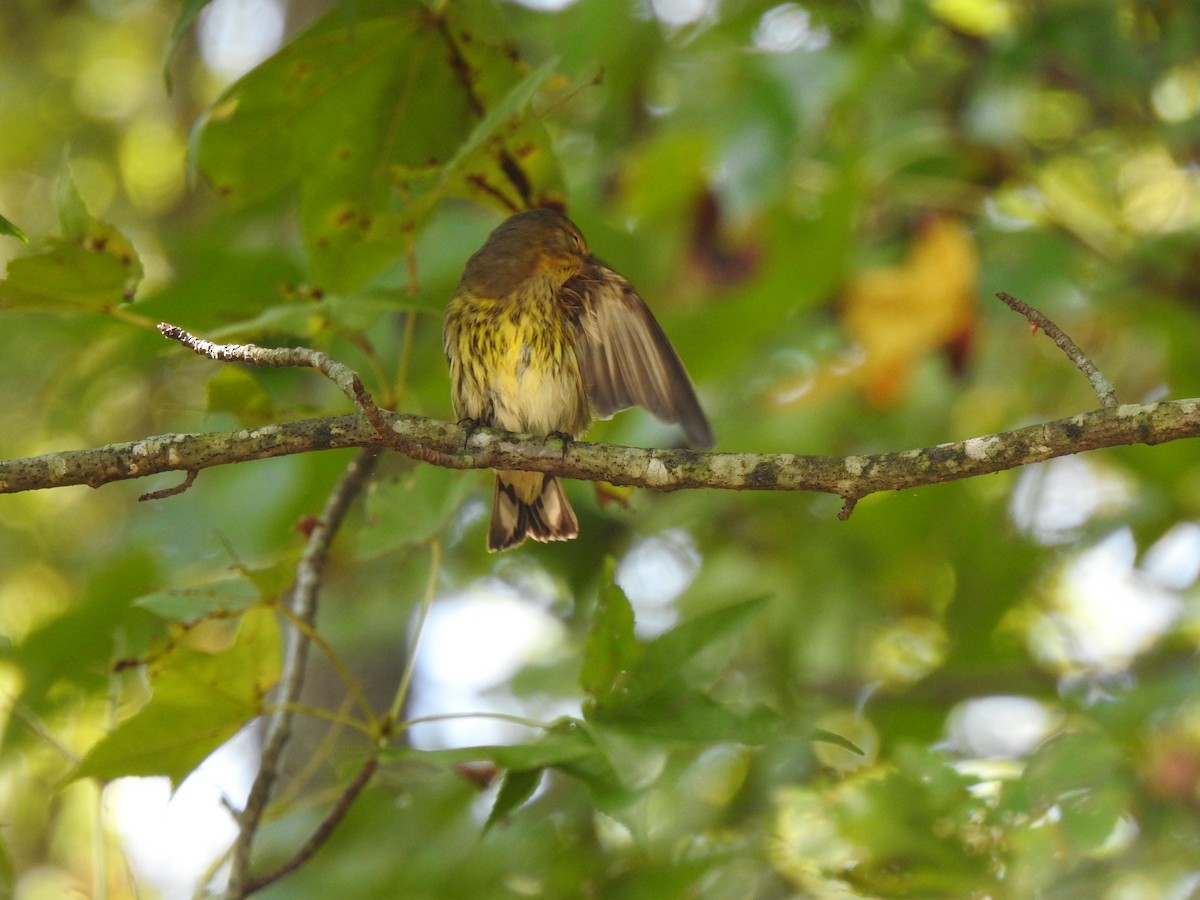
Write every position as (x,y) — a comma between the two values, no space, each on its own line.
(303,602)
(287,796)
(338,719)
(353,685)
(319,836)
(25,715)
(1101,385)
(347,380)
(410,663)
(487,716)
(171,491)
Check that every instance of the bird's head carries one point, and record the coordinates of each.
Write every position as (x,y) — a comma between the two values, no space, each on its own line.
(535,244)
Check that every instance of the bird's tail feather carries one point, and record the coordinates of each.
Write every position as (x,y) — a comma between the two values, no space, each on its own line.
(524,508)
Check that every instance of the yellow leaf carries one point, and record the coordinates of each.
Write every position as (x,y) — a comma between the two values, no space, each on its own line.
(610,493)
(899,315)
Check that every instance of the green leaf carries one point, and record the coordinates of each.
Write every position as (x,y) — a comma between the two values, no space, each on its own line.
(1069,763)
(190,604)
(638,759)
(356,312)
(501,117)
(191,9)
(199,700)
(640,687)
(188,11)
(474,161)
(7,227)
(568,747)
(70,276)
(611,648)
(644,689)
(828,737)
(364,118)
(279,319)
(275,578)
(566,742)
(664,657)
(891,816)
(1081,774)
(681,714)
(517,787)
(73,215)
(412,507)
(91,267)
(77,647)
(1089,817)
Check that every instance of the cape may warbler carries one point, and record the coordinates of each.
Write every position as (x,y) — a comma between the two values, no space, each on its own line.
(542,337)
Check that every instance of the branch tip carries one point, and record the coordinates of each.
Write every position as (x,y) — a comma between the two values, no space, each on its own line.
(171,491)
(1101,385)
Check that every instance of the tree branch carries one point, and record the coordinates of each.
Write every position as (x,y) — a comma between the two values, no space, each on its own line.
(323,831)
(439,443)
(303,607)
(347,380)
(850,477)
(1100,384)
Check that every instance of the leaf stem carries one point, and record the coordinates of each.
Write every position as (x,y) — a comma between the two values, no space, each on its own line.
(410,664)
(353,685)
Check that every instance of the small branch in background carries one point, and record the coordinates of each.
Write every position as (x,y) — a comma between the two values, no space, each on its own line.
(322,832)
(401,697)
(347,380)
(303,607)
(1101,385)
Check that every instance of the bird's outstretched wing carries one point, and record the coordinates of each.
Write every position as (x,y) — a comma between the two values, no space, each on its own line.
(625,356)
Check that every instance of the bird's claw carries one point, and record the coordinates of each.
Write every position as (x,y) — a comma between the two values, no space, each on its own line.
(470,426)
(566,439)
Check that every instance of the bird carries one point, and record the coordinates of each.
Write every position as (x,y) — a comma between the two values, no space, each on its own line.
(541,337)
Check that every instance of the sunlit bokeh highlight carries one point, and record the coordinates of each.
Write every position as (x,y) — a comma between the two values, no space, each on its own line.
(236,35)
(999,727)
(174,838)
(789,27)
(471,645)
(653,574)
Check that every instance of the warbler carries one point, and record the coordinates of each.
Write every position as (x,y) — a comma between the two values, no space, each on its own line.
(541,338)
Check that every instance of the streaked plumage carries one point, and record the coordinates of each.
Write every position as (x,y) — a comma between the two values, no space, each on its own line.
(542,337)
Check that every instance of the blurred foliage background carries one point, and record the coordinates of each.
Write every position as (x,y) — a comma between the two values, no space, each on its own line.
(818,200)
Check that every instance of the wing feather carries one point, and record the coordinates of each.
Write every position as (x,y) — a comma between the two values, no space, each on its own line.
(625,356)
